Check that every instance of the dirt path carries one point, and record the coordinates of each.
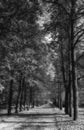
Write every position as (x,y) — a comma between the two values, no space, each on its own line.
(42,118)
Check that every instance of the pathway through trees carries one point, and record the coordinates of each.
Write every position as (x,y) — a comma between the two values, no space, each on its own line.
(40,118)
(45,117)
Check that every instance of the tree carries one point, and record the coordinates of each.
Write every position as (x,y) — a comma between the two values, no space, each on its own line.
(70,12)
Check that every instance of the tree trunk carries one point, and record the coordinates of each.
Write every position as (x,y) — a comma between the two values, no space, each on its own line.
(21,101)
(10,97)
(22,94)
(30,98)
(70,96)
(25,94)
(64,79)
(19,93)
(60,96)
(69,80)
(75,95)
(74,86)
(66,100)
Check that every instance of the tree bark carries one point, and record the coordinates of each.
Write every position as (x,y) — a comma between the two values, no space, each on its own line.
(25,94)
(30,98)
(64,79)
(10,97)
(70,96)
(69,79)
(60,97)
(22,94)
(74,86)
(19,92)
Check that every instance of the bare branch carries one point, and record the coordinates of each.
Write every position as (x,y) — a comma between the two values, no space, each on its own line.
(78,32)
(82,55)
(78,39)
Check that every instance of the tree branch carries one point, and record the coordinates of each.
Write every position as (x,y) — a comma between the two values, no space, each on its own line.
(78,39)
(78,32)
